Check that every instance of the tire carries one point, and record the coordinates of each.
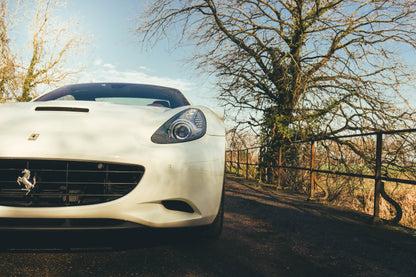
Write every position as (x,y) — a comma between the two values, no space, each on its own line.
(213,230)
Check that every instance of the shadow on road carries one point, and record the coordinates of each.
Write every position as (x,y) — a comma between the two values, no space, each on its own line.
(264,235)
(317,239)
(84,241)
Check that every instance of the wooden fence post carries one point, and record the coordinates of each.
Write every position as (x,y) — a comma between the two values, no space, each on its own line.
(259,163)
(267,170)
(279,169)
(225,162)
(377,185)
(238,162)
(247,164)
(231,161)
(312,168)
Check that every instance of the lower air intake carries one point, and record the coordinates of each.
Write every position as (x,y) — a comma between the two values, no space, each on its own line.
(177,205)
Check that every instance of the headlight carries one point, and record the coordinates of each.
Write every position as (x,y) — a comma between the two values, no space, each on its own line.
(187,125)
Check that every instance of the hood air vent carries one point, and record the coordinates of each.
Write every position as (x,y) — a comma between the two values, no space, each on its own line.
(63,109)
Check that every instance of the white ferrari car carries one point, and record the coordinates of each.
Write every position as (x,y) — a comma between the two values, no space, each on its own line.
(109,156)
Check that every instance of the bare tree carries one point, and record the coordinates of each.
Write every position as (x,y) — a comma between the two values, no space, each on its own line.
(52,43)
(7,60)
(238,139)
(309,67)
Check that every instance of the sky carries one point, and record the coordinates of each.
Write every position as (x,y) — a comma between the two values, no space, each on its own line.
(116,54)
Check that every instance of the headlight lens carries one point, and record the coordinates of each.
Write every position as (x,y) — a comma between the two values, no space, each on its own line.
(187,125)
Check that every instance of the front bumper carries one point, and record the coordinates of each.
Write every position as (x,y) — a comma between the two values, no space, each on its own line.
(181,187)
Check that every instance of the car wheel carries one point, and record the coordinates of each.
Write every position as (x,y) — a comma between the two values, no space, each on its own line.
(213,230)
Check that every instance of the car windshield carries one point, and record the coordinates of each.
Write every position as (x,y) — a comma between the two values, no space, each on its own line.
(120,93)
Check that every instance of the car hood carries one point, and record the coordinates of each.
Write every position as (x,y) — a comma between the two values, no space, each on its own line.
(77,130)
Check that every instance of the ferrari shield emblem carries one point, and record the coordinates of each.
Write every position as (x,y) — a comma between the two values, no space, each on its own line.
(33,136)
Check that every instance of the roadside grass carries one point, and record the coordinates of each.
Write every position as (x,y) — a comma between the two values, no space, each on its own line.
(361,198)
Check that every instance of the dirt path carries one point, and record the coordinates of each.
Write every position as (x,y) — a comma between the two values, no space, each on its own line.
(264,234)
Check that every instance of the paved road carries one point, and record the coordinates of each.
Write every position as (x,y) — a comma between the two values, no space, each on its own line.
(264,234)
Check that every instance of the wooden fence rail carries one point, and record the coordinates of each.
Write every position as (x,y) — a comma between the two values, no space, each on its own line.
(378,178)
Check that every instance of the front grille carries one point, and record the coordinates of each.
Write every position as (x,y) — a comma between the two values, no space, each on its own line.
(64,183)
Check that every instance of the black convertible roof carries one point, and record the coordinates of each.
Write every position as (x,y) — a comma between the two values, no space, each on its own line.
(91,91)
